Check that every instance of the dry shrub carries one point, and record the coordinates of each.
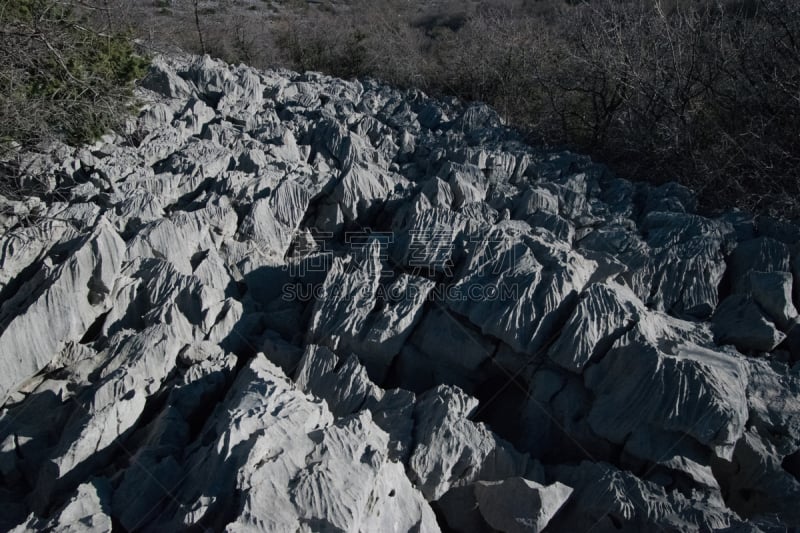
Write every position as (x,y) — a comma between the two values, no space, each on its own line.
(707,96)
(703,92)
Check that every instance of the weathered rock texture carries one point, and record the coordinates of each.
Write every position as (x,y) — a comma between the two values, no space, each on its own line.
(288,302)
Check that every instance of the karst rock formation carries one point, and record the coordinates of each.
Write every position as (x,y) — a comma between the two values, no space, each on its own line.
(287,302)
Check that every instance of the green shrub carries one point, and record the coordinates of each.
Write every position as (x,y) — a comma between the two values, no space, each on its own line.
(60,78)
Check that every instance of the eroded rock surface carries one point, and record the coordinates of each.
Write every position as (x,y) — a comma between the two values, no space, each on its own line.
(288,302)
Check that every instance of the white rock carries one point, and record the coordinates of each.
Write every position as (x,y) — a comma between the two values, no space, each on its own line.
(68,298)
(452,451)
(685,389)
(517,505)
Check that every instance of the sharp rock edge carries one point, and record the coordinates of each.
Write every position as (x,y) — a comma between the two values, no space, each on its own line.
(283,301)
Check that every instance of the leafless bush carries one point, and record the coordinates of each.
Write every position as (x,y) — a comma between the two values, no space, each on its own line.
(705,92)
(704,95)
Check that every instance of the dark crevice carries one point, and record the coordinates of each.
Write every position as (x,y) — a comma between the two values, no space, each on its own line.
(791,463)
(95,329)
(187,203)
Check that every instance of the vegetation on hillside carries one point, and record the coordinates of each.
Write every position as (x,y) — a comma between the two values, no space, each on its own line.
(705,92)
(64,76)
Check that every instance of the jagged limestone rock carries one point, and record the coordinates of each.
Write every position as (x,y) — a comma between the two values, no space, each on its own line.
(740,321)
(57,305)
(452,451)
(277,457)
(611,499)
(86,512)
(605,312)
(517,505)
(398,257)
(683,388)
(757,255)
(517,286)
(772,291)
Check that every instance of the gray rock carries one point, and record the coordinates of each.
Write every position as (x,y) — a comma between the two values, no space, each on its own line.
(209,76)
(670,458)
(756,481)
(452,451)
(86,512)
(770,398)
(344,386)
(689,262)
(459,507)
(772,291)
(136,369)
(467,183)
(155,469)
(362,188)
(428,241)
(605,312)
(757,255)
(560,227)
(610,499)
(445,340)
(348,297)
(272,222)
(162,79)
(674,387)
(22,247)
(395,255)
(741,322)
(517,287)
(357,313)
(178,238)
(517,505)
(347,390)
(47,312)
(392,324)
(294,466)
(438,192)
(781,230)
(477,116)
(196,115)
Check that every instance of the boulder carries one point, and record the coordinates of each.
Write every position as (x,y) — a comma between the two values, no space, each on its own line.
(452,451)
(604,313)
(681,388)
(741,322)
(762,254)
(517,505)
